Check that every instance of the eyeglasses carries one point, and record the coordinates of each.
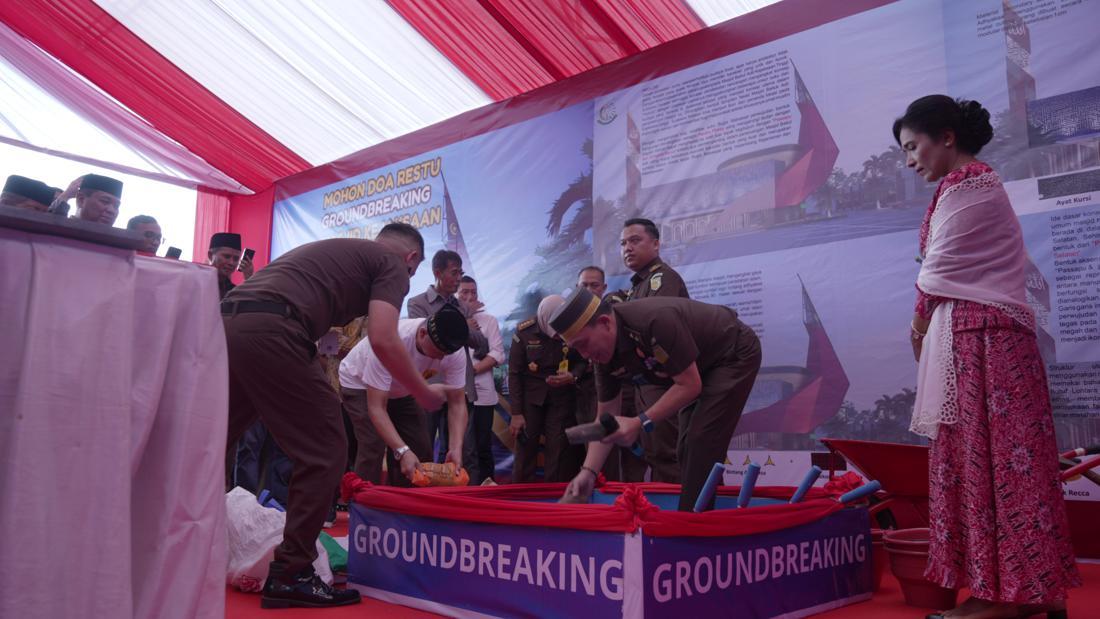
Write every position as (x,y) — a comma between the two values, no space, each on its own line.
(153,236)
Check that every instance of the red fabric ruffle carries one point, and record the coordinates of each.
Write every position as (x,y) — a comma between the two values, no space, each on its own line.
(630,512)
(839,485)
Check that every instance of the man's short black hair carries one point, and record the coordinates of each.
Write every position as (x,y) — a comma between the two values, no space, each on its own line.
(592,267)
(405,232)
(137,220)
(466,279)
(648,224)
(443,259)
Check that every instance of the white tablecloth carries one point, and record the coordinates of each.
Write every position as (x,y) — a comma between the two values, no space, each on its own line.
(113,400)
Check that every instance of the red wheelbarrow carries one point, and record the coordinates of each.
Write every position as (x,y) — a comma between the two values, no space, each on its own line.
(903,472)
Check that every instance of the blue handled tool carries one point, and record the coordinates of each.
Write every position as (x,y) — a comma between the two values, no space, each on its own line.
(807,483)
(748,484)
(706,495)
(870,487)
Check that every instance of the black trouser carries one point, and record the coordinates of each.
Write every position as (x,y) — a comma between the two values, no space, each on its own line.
(439,425)
(482,424)
(661,452)
(561,461)
(707,427)
(409,421)
(275,376)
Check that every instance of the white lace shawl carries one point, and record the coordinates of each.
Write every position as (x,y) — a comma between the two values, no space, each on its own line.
(975,252)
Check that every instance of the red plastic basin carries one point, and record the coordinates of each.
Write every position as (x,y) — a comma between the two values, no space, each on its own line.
(908,567)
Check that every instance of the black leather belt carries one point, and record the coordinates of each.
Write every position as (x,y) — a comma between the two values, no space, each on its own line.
(230,308)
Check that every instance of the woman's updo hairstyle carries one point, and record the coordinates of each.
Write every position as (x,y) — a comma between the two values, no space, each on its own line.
(935,114)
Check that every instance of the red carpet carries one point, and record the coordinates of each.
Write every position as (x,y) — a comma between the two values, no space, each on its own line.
(887,603)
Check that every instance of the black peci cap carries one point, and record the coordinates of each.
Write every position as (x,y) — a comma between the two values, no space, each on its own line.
(231,240)
(579,308)
(448,329)
(106,184)
(29,188)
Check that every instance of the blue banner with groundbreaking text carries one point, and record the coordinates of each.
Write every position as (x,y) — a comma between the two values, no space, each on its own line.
(820,565)
(499,570)
(511,570)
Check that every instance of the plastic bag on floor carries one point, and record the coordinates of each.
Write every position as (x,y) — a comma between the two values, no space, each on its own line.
(254,532)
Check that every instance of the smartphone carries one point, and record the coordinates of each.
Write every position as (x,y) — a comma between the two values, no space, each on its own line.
(173,253)
(247,255)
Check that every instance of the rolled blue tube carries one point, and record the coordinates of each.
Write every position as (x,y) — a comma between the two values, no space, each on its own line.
(706,495)
(854,495)
(807,482)
(748,484)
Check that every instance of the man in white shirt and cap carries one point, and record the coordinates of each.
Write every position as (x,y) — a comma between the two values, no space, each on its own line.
(387,420)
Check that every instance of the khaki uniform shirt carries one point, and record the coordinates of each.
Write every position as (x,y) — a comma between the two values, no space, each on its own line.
(659,338)
(657,280)
(534,356)
(329,283)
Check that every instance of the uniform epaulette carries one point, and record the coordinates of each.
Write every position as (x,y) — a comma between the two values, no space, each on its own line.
(526,323)
(616,297)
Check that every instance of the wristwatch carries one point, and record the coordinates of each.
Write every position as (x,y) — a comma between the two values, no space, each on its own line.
(647,423)
(399,452)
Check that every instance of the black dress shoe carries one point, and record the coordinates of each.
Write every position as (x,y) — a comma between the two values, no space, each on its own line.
(302,590)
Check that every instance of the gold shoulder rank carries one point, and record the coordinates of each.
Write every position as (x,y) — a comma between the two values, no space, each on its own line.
(526,323)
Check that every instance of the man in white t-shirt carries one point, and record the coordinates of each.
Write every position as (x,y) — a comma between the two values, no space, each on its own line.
(479,436)
(383,412)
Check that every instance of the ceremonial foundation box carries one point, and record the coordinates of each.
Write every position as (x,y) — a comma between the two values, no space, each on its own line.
(512,551)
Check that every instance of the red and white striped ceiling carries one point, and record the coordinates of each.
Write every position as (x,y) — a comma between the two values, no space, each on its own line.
(234,94)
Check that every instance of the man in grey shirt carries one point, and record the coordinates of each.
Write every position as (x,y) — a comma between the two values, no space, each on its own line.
(447,268)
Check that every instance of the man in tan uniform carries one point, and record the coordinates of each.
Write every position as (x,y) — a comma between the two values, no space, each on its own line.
(271,322)
(640,243)
(705,357)
(542,380)
(622,464)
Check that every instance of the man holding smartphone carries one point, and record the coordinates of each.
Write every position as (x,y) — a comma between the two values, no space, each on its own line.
(225,256)
(271,323)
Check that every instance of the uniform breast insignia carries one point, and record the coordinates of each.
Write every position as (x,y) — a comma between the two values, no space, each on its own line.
(655,281)
(563,365)
(534,367)
(659,353)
